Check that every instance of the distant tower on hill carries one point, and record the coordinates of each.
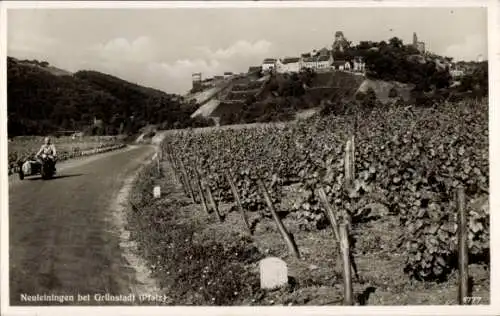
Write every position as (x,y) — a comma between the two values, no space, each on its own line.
(340,43)
(420,46)
(196,81)
(339,36)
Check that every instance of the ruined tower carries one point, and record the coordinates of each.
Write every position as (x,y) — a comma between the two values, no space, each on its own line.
(196,81)
(339,36)
(340,43)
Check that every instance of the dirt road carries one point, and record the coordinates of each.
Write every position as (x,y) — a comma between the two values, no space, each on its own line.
(61,239)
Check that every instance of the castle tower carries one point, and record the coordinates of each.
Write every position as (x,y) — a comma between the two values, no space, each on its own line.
(339,36)
(420,46)
(340,42)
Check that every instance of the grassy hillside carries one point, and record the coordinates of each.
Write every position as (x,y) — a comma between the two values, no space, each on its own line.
(43,99)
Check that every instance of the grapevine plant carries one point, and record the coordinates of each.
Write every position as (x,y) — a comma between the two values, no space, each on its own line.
(408,160)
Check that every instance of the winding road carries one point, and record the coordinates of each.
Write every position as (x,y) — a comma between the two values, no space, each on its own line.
(61,237)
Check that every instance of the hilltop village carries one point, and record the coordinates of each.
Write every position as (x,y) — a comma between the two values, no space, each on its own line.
(337,58)
(312,78)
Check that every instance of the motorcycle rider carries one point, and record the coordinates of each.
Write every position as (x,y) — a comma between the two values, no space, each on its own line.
(48,149)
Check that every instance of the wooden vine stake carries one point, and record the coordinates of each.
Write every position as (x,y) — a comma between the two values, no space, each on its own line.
(349,170)
(213,203)
(171,156)
(349,163)
(353,158)
(335,225)
(329,212)
(200,190)
(174,171)
(183,180)
(292,247)
(158,166)
(346,263)
(238,201)
(187,181)
(179,174)
(463,255)
(193,184)
(173,166)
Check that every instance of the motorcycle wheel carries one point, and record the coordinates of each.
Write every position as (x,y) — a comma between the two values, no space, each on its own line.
(43,172)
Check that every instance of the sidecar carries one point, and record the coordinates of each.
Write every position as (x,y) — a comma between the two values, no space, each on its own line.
(28,168)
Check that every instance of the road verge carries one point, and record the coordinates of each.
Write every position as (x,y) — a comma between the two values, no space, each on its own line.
(142,283)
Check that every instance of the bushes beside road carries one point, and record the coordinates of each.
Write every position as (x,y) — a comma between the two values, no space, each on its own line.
(26,147)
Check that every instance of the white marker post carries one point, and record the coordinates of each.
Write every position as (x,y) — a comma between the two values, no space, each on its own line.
(156,192)
(157,158)
(273,273)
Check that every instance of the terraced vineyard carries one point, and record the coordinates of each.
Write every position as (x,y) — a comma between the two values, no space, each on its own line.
(243,89)
(408,164)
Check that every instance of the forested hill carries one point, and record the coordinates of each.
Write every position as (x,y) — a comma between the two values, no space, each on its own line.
(42,99)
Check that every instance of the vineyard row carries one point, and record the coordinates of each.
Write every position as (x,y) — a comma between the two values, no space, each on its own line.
(407,162)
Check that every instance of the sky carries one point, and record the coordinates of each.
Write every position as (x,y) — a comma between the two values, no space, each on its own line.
(161,48)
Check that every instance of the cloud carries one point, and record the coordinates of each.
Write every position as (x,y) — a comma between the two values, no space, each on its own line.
(120,49)
(239,49)
(469,49)
(182,69)
(176,76)
(142,60)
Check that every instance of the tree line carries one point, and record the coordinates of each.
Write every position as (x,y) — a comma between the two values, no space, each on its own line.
(39,103)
